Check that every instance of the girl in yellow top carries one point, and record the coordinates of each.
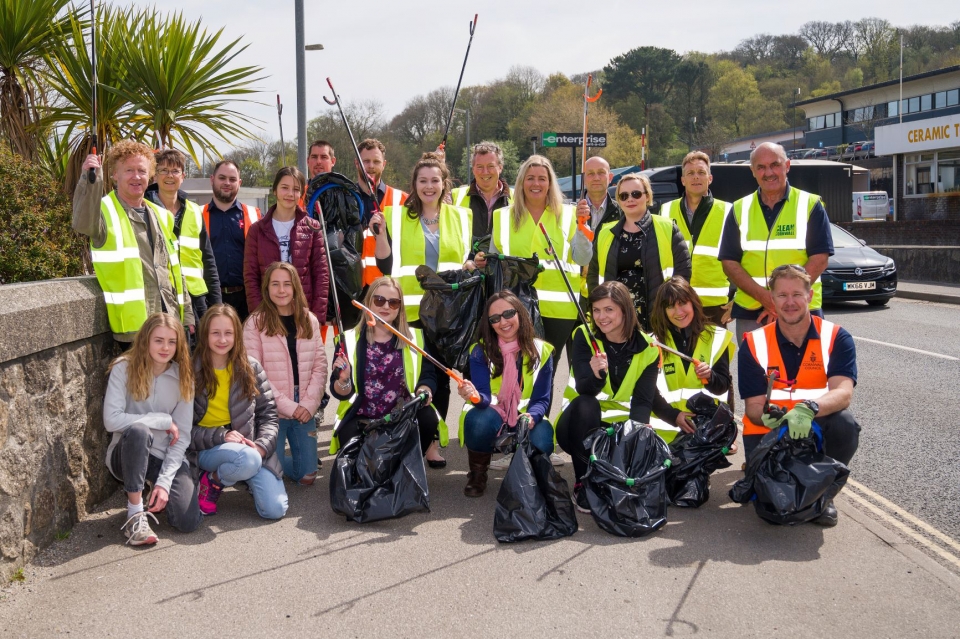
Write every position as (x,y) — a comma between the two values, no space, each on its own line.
(235,418)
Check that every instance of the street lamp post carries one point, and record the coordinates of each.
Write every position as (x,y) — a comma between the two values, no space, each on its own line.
(302,85)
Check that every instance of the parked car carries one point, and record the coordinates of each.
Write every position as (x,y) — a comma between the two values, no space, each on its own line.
(866,150)
(832,153)
(796,154)
(857,272)
(815,154)
(870,205)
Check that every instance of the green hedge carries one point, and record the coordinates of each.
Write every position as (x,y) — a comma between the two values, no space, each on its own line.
(36,240)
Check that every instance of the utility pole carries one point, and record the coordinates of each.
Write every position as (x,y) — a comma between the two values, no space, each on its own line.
(301,89)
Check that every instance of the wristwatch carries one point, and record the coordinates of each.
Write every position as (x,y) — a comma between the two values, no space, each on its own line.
(812,405)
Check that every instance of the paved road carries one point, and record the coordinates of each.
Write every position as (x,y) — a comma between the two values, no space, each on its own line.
(908,404)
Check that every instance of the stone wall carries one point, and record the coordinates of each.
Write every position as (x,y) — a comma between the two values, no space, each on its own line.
(907,232)
(54,352)
(939,264)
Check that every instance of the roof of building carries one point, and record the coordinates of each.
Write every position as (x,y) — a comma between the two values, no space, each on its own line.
(880,85)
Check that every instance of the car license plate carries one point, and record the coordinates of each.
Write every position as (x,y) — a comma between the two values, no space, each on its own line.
(859,286)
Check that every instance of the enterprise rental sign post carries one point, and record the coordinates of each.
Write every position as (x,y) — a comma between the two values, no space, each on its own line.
(551,139)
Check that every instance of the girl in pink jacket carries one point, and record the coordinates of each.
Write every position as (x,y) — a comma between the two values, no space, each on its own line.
(284,336)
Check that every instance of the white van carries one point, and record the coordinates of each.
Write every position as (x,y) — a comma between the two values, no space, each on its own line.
(870,205)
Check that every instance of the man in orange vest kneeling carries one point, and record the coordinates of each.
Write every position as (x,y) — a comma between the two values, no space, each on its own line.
(816,365)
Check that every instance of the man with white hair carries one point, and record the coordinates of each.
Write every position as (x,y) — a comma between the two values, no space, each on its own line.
(776,225)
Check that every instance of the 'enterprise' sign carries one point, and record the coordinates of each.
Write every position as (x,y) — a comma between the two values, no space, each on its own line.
(550,139)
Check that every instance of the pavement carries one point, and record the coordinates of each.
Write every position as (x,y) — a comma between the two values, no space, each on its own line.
(929,291)
(891,568)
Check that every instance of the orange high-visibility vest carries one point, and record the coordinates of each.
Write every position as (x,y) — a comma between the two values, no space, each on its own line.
(250,215)
(391,197)
(811,382)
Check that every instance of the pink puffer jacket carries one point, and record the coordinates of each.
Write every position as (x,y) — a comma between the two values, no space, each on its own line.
(272,353)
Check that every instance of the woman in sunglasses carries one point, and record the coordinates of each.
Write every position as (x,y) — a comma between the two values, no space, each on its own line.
(513,372)
(641,250)
(427,231)
(384,371)
(617,384)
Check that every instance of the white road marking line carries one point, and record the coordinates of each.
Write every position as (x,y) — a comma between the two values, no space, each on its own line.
(903,528)
(919,523)
(907,348)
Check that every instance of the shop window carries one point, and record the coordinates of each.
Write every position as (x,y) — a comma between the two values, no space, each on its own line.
(940,100)
(919,174)
(893,109)
(829,121)
(926,102)
(953,97)
(948,172)
(913,105)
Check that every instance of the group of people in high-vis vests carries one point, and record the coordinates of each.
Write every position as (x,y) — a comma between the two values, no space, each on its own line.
(673,277)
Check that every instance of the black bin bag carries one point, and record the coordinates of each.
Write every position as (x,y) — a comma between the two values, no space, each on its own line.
(379,474)
(517,274)
(534,500)
(450,312)
(696,455)
(790,480)
(339,199)
(625,482)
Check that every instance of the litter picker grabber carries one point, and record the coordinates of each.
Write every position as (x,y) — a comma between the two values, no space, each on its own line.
(664,347)
(454,375)
(570,293)
(366,178)
(582,221)
(92,173)
(283,146)
(339,345)
(473,26)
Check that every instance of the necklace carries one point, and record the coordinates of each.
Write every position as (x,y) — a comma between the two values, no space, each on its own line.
(435,220)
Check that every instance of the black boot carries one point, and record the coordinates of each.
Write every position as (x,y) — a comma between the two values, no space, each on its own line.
(828,517)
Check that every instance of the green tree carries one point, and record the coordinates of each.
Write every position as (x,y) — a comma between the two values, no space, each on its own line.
(28,30)
(736,103)
(646,73)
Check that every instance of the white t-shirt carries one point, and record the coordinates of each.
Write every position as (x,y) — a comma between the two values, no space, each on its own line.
(282,229)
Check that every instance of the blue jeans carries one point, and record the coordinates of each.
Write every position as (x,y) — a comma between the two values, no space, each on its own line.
(481,425)
(238,462)
(302,460)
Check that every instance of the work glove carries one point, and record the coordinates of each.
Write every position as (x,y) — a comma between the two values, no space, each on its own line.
(799,420)
(772,421)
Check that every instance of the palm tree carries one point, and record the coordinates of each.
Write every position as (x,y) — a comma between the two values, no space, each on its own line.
(178,81)
(28,30)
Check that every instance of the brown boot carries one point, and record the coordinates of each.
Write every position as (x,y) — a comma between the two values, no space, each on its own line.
(477,477)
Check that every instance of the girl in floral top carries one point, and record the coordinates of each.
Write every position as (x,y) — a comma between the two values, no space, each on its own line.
(384,370)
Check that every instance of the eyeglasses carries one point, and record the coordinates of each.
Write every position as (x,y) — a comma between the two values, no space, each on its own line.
(789,267)
(623,197)
(170,172)
(381,301)
(507,314)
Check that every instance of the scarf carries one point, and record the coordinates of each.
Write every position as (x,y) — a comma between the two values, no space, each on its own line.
(508,399)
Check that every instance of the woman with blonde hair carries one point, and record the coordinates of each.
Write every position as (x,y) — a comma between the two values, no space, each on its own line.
(284,336)
(148,409)
(640,250)
(384,371)
(235,418)
(537,200)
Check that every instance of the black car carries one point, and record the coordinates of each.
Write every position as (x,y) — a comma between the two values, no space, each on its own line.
(857,272)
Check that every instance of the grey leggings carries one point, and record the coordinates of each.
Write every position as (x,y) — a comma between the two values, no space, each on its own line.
(133,462)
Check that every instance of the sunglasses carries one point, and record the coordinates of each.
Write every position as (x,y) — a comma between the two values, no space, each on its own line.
(381,301)
(507,314)
(623,197)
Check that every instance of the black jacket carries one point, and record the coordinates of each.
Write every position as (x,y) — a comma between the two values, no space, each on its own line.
(611,213)
(652,273)
(210,275)
(428,374)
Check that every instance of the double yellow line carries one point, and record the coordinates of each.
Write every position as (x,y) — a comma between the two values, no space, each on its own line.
(903,522)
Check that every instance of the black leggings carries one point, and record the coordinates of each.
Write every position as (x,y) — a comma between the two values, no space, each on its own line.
(581,418)
(557,332)
(427,424)
(841,436)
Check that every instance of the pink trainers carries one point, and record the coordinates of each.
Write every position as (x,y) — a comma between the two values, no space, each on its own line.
(209,494)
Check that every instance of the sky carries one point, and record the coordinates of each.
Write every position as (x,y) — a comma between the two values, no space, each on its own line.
(392,51)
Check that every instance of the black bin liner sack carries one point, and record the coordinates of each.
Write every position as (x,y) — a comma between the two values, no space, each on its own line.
(625,482)
(380,474)
(534,500)
(450,312)
(517,274)
(790,480)
(696,455)
(342,208)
